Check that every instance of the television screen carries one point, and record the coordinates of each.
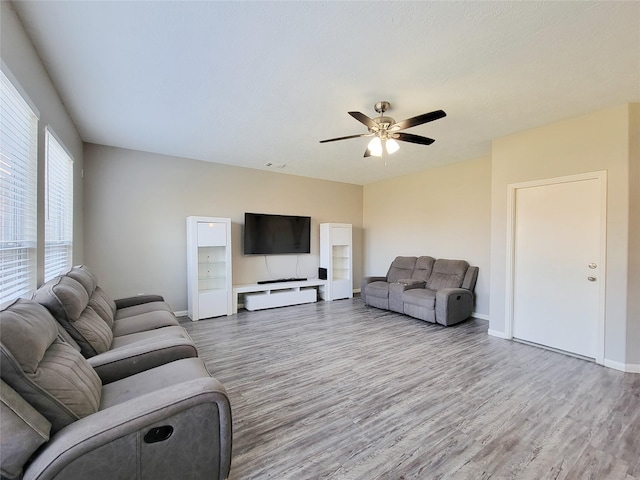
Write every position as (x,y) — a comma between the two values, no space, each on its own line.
(276,234)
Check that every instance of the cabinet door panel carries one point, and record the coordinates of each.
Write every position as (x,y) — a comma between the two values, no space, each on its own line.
(212,303)
(341,236)
(212,234)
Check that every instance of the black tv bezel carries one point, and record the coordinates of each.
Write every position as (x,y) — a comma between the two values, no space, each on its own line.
(275,252)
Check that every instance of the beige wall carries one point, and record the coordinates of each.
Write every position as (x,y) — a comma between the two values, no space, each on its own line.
(443,212)
(22,65)
(593,142)
(137,204)
(633,306)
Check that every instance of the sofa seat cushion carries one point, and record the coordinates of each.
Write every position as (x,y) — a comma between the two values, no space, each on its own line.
(420,296)
(137,352)
(377,289)
(144,322)
(420,303)
(142,337)
(47,372)
(152,380)
(142,308)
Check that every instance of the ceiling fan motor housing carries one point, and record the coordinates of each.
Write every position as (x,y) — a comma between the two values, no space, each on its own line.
(382,106)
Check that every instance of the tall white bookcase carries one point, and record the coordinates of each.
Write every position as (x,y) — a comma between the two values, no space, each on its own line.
(209,285)
(336,255)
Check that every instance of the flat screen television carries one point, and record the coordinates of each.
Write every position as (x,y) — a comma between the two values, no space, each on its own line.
(266,234)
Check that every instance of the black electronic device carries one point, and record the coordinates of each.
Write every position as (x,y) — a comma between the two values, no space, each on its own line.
(266,234)
(282,280)
(322,273)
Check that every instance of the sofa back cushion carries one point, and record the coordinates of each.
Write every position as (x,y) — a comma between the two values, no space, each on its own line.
(23,431)
(424,267)
(102,307)
(83,275)
(68,301)
(401,267)
(447,274)
(44,370)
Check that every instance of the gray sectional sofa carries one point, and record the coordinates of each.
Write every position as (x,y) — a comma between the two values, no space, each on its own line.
(436,291)
(147,408)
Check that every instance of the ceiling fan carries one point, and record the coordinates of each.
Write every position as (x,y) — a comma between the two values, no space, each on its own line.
(385,130)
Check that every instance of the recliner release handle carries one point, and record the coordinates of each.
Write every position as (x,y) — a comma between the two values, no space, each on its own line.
(158,434)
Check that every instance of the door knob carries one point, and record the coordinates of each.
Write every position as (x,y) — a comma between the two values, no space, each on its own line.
(592,266)
(592,279)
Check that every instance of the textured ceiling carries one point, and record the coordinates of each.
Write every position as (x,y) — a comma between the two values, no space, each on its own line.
(247,83)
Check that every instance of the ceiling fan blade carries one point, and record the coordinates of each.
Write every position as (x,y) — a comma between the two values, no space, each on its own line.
(362,118)
(367,153)
(344,138)
(408,137)
(419,120)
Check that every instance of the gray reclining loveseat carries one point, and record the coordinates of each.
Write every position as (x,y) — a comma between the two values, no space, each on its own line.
(437,291)
(118,342)
(60,422)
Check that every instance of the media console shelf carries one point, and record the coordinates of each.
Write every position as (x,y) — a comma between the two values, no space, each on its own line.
(271,295)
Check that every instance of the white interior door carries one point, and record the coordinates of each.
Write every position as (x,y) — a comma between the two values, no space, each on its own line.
(558,270)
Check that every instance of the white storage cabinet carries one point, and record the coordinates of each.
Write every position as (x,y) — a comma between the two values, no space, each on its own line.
(336,255)
(209,286)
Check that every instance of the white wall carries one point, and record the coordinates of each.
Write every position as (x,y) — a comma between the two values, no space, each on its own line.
(22,64)
(443,212)
(137,204)
(593,142)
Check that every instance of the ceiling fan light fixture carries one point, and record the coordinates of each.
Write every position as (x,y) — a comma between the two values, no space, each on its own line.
(375,147)
(392,146)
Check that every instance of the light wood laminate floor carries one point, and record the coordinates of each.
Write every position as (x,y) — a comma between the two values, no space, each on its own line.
(339,390)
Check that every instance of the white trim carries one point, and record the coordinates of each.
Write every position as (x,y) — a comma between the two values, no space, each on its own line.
(356,290)
(48,128)
(510,266)
(181,313)
(498,334)
(623,367)
(481,316)
(16,84)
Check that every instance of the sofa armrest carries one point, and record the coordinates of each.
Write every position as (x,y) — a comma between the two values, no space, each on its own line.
(137,300)
(410,283)
(453,305)
(111,443)
(366,281)
(138,357)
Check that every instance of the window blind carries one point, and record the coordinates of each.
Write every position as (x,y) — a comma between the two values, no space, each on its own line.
(18,174)
(58,233)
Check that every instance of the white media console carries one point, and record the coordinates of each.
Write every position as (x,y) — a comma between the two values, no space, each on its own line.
(281,294)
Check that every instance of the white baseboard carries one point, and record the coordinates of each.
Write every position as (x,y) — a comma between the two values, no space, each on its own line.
(181,313)
(497,333)
(356,290)
(481,316)
(623,367)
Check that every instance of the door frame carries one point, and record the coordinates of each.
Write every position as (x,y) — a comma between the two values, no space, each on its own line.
(510,265)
